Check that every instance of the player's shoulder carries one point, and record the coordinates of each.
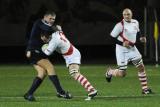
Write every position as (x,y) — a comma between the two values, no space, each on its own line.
(119,24)
(56,34)
(36,25)
(134,21)
(38,21)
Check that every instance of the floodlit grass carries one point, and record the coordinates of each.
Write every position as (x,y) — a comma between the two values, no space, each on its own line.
(121,92)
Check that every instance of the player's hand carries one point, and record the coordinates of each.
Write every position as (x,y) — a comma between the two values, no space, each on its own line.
(143,39)
(45,39)
(126,44)
(28,54)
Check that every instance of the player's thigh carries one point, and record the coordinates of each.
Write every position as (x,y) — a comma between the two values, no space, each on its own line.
(74,58)
(122,58)
(135,54)
(46,64)
(136,57)
(39,68)
(41,71)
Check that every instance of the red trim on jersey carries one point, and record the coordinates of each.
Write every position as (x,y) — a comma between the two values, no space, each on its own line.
(121,34)
(70,50)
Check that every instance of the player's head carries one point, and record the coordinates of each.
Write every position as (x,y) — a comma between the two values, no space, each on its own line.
(46,36)
(127,14)
(46,32)
(49,17)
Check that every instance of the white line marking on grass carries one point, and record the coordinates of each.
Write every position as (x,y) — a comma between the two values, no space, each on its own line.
(52,97)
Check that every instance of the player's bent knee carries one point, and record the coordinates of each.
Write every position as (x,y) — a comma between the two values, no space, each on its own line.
(74,70)
(47,65)
(138,62)
(42,74)
(122,73)
(74,73)
(122,70)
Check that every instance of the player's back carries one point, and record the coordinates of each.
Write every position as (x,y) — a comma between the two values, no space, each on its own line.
(60,43)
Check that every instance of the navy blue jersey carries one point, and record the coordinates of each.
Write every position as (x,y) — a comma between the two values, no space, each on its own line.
(35,42)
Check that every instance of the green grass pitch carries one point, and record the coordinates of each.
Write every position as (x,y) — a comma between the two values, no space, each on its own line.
(121,92)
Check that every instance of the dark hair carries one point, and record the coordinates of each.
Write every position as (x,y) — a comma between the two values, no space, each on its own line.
(46,33)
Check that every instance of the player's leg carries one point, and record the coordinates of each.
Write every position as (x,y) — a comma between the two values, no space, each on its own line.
(34,57)
(119,72)
(138,62)
(122,61)
(142,76)
(72,62)
(46,64)
(36,83)
(74,72)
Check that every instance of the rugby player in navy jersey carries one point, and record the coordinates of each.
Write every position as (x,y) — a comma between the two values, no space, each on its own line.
(39,60)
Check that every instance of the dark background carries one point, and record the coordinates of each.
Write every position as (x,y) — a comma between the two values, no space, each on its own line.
(86,23)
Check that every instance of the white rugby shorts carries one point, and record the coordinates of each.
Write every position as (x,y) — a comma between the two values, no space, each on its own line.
(75,57)
(125,55)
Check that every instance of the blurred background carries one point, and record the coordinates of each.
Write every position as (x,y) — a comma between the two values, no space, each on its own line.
(86,23)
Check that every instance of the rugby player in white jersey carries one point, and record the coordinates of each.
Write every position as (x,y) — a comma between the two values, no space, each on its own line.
(124,35)
(72,56)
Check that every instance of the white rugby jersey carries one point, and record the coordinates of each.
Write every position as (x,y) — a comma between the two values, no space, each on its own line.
(126,31)
(60,44)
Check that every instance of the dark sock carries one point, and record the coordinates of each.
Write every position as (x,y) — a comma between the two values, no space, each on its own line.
(55,81)
(36,83)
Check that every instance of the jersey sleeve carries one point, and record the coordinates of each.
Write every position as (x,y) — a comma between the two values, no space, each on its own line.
(32,34)
(116,30)
(51,45)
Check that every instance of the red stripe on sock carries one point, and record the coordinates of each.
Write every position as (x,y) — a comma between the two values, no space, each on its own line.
(85,83)
(88,86)
(81,79)
(78,77)
(92,89)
